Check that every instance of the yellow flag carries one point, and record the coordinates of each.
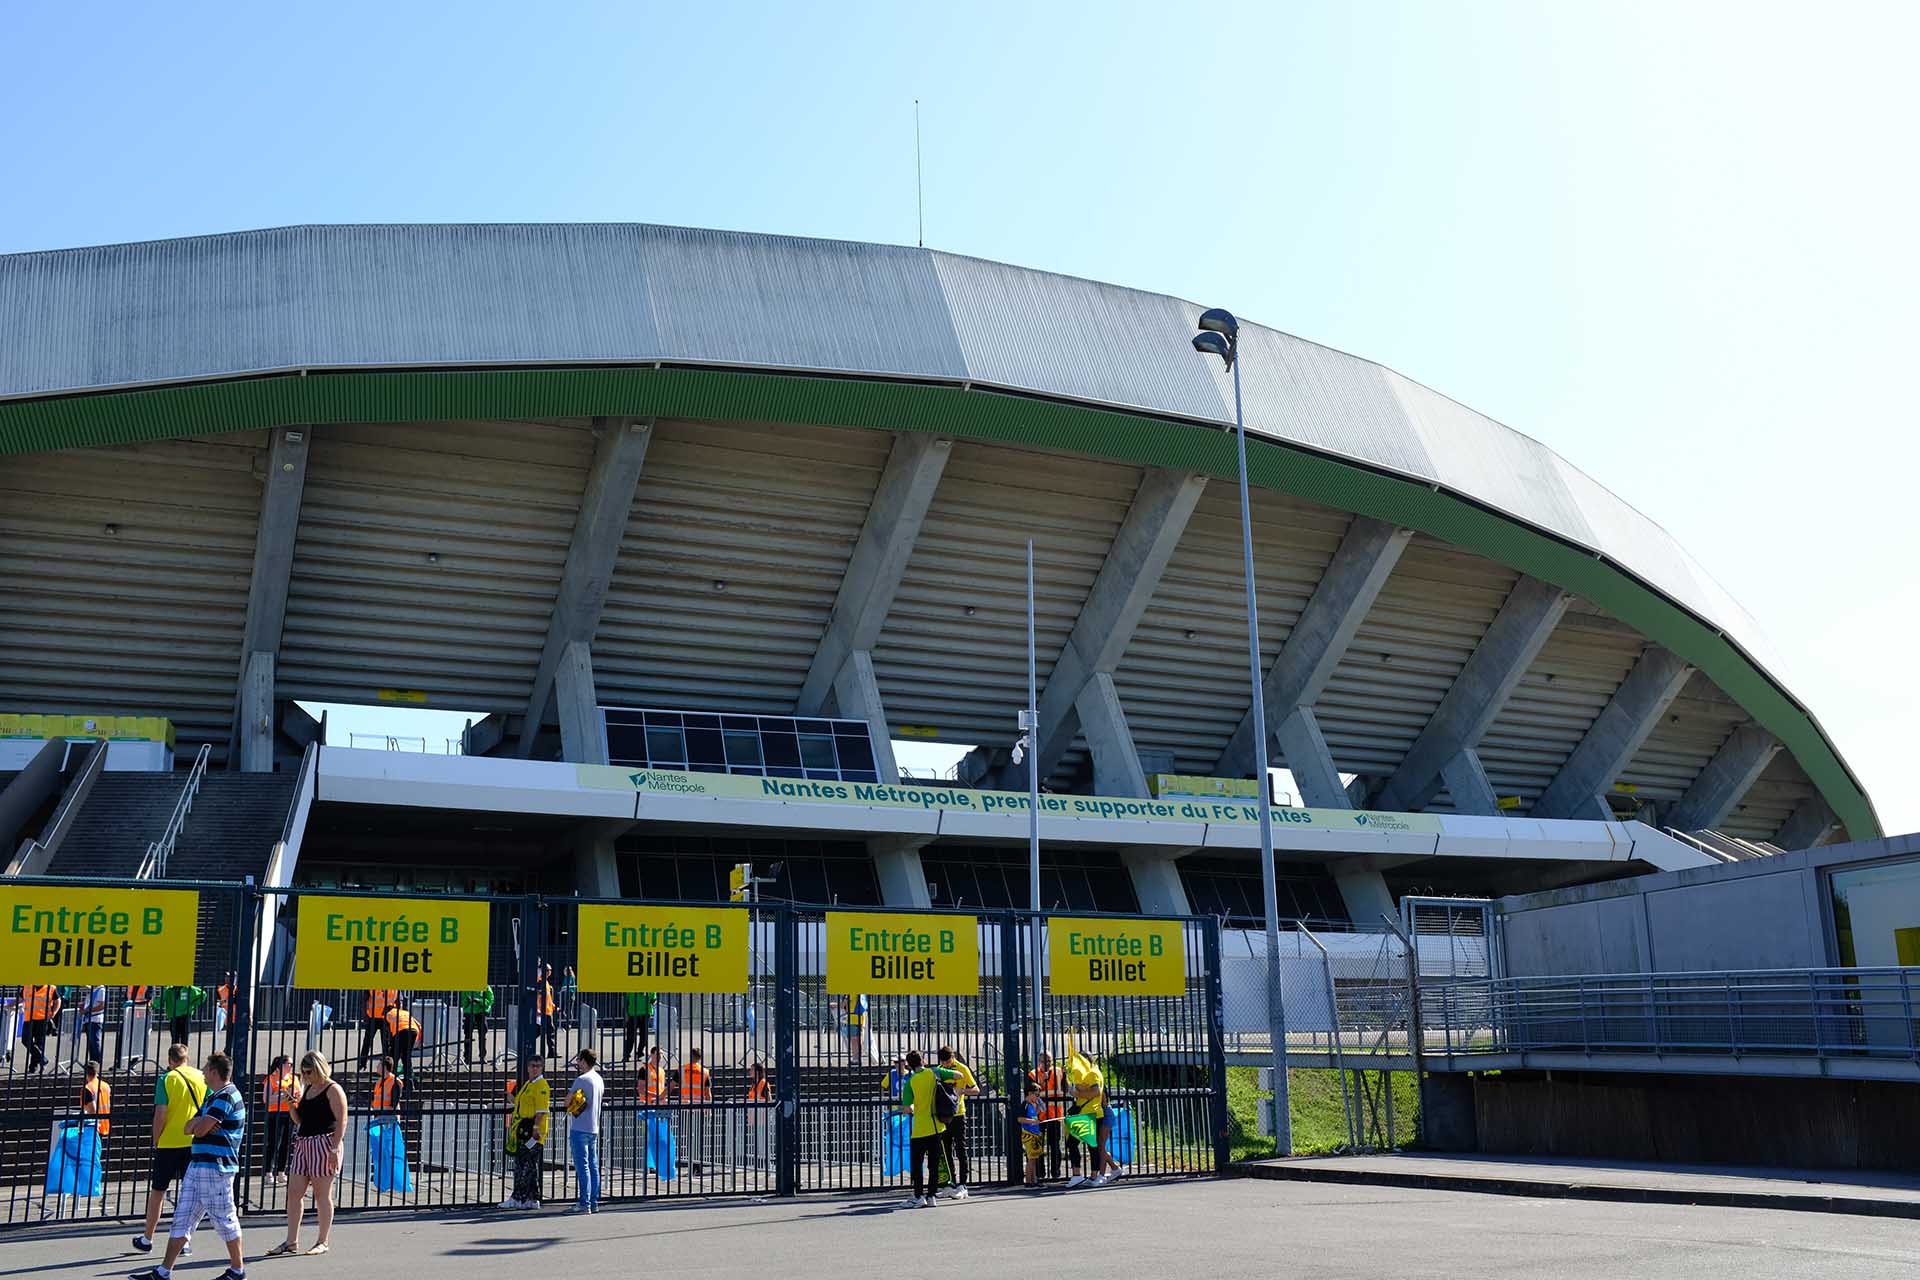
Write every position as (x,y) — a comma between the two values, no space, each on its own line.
(1079,1070)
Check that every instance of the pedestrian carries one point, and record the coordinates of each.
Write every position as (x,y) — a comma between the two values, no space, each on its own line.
(474,1008)
(403,1033)
(223,1014)
(954,1140)
(321,1115)
(527,1123)
(1090,1099)
(696,1092)
(545,1032)
(93,1023)
(639,1022)
(280,1092)
(214,1162)
(653,1079)
(177,1006)
(1032,1142)
(386,1088)
(1053,1115)
(374,1025)
(760,1095)
(583,1130)
(96,1098)
(896,1077)
(854,1028)
(39,1009)
(176,1099)
(922,1100)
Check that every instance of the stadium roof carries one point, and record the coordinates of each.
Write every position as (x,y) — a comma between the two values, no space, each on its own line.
(124,344)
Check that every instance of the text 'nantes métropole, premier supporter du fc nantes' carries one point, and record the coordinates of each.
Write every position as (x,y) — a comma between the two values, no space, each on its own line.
(357,942)
(902,954)
(635,948)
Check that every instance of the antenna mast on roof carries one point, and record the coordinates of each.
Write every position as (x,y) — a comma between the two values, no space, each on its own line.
(919,187)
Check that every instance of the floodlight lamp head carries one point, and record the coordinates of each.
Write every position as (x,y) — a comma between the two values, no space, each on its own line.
(1220,320)
(1211,343)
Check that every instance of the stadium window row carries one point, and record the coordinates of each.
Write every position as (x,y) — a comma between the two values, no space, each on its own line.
(750,746)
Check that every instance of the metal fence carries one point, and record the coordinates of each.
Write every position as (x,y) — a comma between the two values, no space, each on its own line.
(435,1136)
(1858,1013)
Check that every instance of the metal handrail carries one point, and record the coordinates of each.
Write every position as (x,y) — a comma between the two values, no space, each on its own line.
(154,865)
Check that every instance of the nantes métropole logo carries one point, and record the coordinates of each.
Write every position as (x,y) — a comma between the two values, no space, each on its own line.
(645,781)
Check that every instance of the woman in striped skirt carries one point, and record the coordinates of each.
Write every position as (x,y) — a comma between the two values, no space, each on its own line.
(322,1115)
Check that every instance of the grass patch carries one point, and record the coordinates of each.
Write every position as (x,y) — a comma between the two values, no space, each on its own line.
(1319,1118)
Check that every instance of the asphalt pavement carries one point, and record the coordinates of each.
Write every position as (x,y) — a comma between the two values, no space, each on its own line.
(1168,1231)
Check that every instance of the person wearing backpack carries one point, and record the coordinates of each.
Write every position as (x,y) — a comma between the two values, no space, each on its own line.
(929,1097)
(953,1140)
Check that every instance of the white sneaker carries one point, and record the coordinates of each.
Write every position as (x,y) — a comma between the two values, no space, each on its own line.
(510,1203)
(1076,1181)
(1100,1181)
(959,1193)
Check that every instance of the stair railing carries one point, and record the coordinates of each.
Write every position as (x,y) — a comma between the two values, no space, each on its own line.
(154,865)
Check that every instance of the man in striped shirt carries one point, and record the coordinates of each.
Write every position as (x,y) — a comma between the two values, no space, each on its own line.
(207,1189)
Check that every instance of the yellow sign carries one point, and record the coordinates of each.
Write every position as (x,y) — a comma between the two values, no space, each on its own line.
(870,953)
(1116,957)
(122,936)
(411,943)
(663,948)
(402,695)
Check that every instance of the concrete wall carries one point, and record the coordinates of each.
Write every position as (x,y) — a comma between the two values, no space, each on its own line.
(1769,913)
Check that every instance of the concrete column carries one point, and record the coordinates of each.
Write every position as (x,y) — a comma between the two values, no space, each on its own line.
(256,714)
(583,734)
(1156,880)
(1742,758)
(1467,785)
(1811,822)
(896,861)
(596,862)
(857,696)
(1116,765)
(1364,892)
(1615,735)
(1306,755)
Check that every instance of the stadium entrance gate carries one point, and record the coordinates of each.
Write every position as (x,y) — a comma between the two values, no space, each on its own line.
(792,1090)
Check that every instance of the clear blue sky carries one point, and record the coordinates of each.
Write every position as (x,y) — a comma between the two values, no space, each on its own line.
(1673,241)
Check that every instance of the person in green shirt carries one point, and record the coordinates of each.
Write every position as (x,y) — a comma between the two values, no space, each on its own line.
(954,1139)
(920,1099)
(178,1005)
(474,1008)
(639,1019)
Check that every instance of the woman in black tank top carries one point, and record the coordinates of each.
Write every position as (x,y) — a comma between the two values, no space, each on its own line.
(322,1116)
(316,1112)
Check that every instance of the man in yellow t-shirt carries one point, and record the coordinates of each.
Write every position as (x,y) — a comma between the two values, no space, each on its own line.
(917,1099)
(527,1123)
(176,1099)
(954,1140)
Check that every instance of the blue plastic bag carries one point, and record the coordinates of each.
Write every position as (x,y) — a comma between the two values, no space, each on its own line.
(662,1151)
(73,1165)
(387,1148)
(1120,1140)
(896,1139)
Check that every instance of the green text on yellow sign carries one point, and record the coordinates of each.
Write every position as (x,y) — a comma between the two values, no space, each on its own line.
(121,936)
(1116,957)
(663,948)
(407,943)
(902,954)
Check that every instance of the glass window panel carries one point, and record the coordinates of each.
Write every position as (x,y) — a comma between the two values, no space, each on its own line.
(665,747)
(852,882)
(742,749)
(855,753)
(1876,914)
(851,729)
(859,775)
(808,878)
(695,721)
(663,719)
(705,748)
(626,744)
(816,751)
(782,749)
(777,771)
(741,724)
(814,726)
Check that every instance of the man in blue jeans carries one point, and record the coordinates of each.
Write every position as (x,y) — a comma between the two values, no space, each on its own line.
(583,1130)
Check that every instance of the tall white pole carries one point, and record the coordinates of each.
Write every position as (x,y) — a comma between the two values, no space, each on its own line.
(1033,817)
(1269,891)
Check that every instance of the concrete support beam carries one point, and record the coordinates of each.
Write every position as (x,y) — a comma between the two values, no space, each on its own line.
(1467,786)
(879,561)
(1615,735)
(1339,604)
(1809,824)
(596,859)
(1364,892)
(896,861)
(619,454)
(856,696)
(1156,879)
(1742,758)
(484,734)
(1305,753)
(583,734)
(255,744)
(1116,764)
(1513,640)
(1121,593)
(284,485)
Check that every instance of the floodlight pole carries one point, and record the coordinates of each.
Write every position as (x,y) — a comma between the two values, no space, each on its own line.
(1031,717)
(1269,890)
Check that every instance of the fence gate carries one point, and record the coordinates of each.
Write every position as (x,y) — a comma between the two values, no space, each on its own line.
(428,1009)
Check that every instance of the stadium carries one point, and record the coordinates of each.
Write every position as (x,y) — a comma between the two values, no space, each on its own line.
(696,528)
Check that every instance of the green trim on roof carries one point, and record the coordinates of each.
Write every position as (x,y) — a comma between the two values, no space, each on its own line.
(125,417)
